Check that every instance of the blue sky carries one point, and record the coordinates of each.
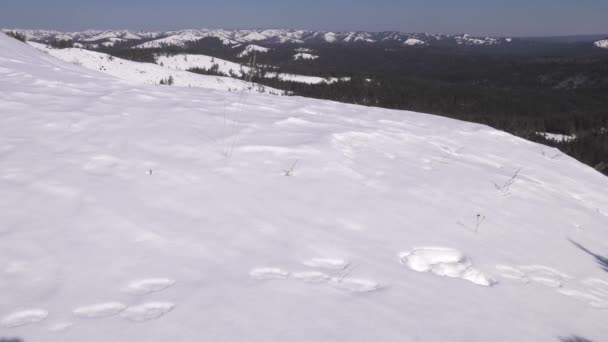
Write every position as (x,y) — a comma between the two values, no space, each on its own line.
(499,18)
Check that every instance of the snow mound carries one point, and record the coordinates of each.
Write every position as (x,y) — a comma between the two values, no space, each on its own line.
(446,262)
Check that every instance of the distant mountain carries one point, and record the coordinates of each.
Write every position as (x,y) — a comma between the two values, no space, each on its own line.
(262,36)
(602,44)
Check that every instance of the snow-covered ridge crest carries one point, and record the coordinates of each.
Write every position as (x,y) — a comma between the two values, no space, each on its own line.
(133,212)
(259,36)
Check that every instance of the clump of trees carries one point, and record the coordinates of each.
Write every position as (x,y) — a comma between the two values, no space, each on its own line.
(213,70)
(16,35)
(166,81)
(62,44)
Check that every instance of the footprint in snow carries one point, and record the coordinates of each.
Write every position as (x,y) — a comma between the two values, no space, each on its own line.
(512,273)
(327,263)
(59,327)
(100,310)
(445,262)
(593,292)
(147,311)
(354,284)
(312,277)
(268,273)
(19,318)
(145,286)
(538,274)
(317,277)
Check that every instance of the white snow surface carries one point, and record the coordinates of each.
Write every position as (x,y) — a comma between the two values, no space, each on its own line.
(106,184)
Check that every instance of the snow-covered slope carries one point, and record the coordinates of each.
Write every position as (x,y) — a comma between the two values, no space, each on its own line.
(148,73)
(179,214)
(189,61)
(251,48)
(602,44)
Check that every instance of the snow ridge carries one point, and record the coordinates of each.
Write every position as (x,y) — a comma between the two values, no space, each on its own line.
(180,38)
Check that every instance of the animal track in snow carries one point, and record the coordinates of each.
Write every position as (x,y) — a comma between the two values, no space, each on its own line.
(24,317)
(316,277)
(59,327)
(587,297)
(311,277)
(539,274)
(327,263)
(446,262)
(513,273)
(147,311)
(355,285)
(267,273)
(146,286)
(100,310)
(592,291)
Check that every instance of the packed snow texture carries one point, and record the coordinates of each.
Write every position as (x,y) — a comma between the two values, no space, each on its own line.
(145,213)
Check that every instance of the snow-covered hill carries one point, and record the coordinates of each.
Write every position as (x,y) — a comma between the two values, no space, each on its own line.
(262,36)
(138,212)
(149,73)
(176,67)
(251,49)
(190,61)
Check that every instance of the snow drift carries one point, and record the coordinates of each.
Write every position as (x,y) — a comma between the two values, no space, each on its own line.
(134,212)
